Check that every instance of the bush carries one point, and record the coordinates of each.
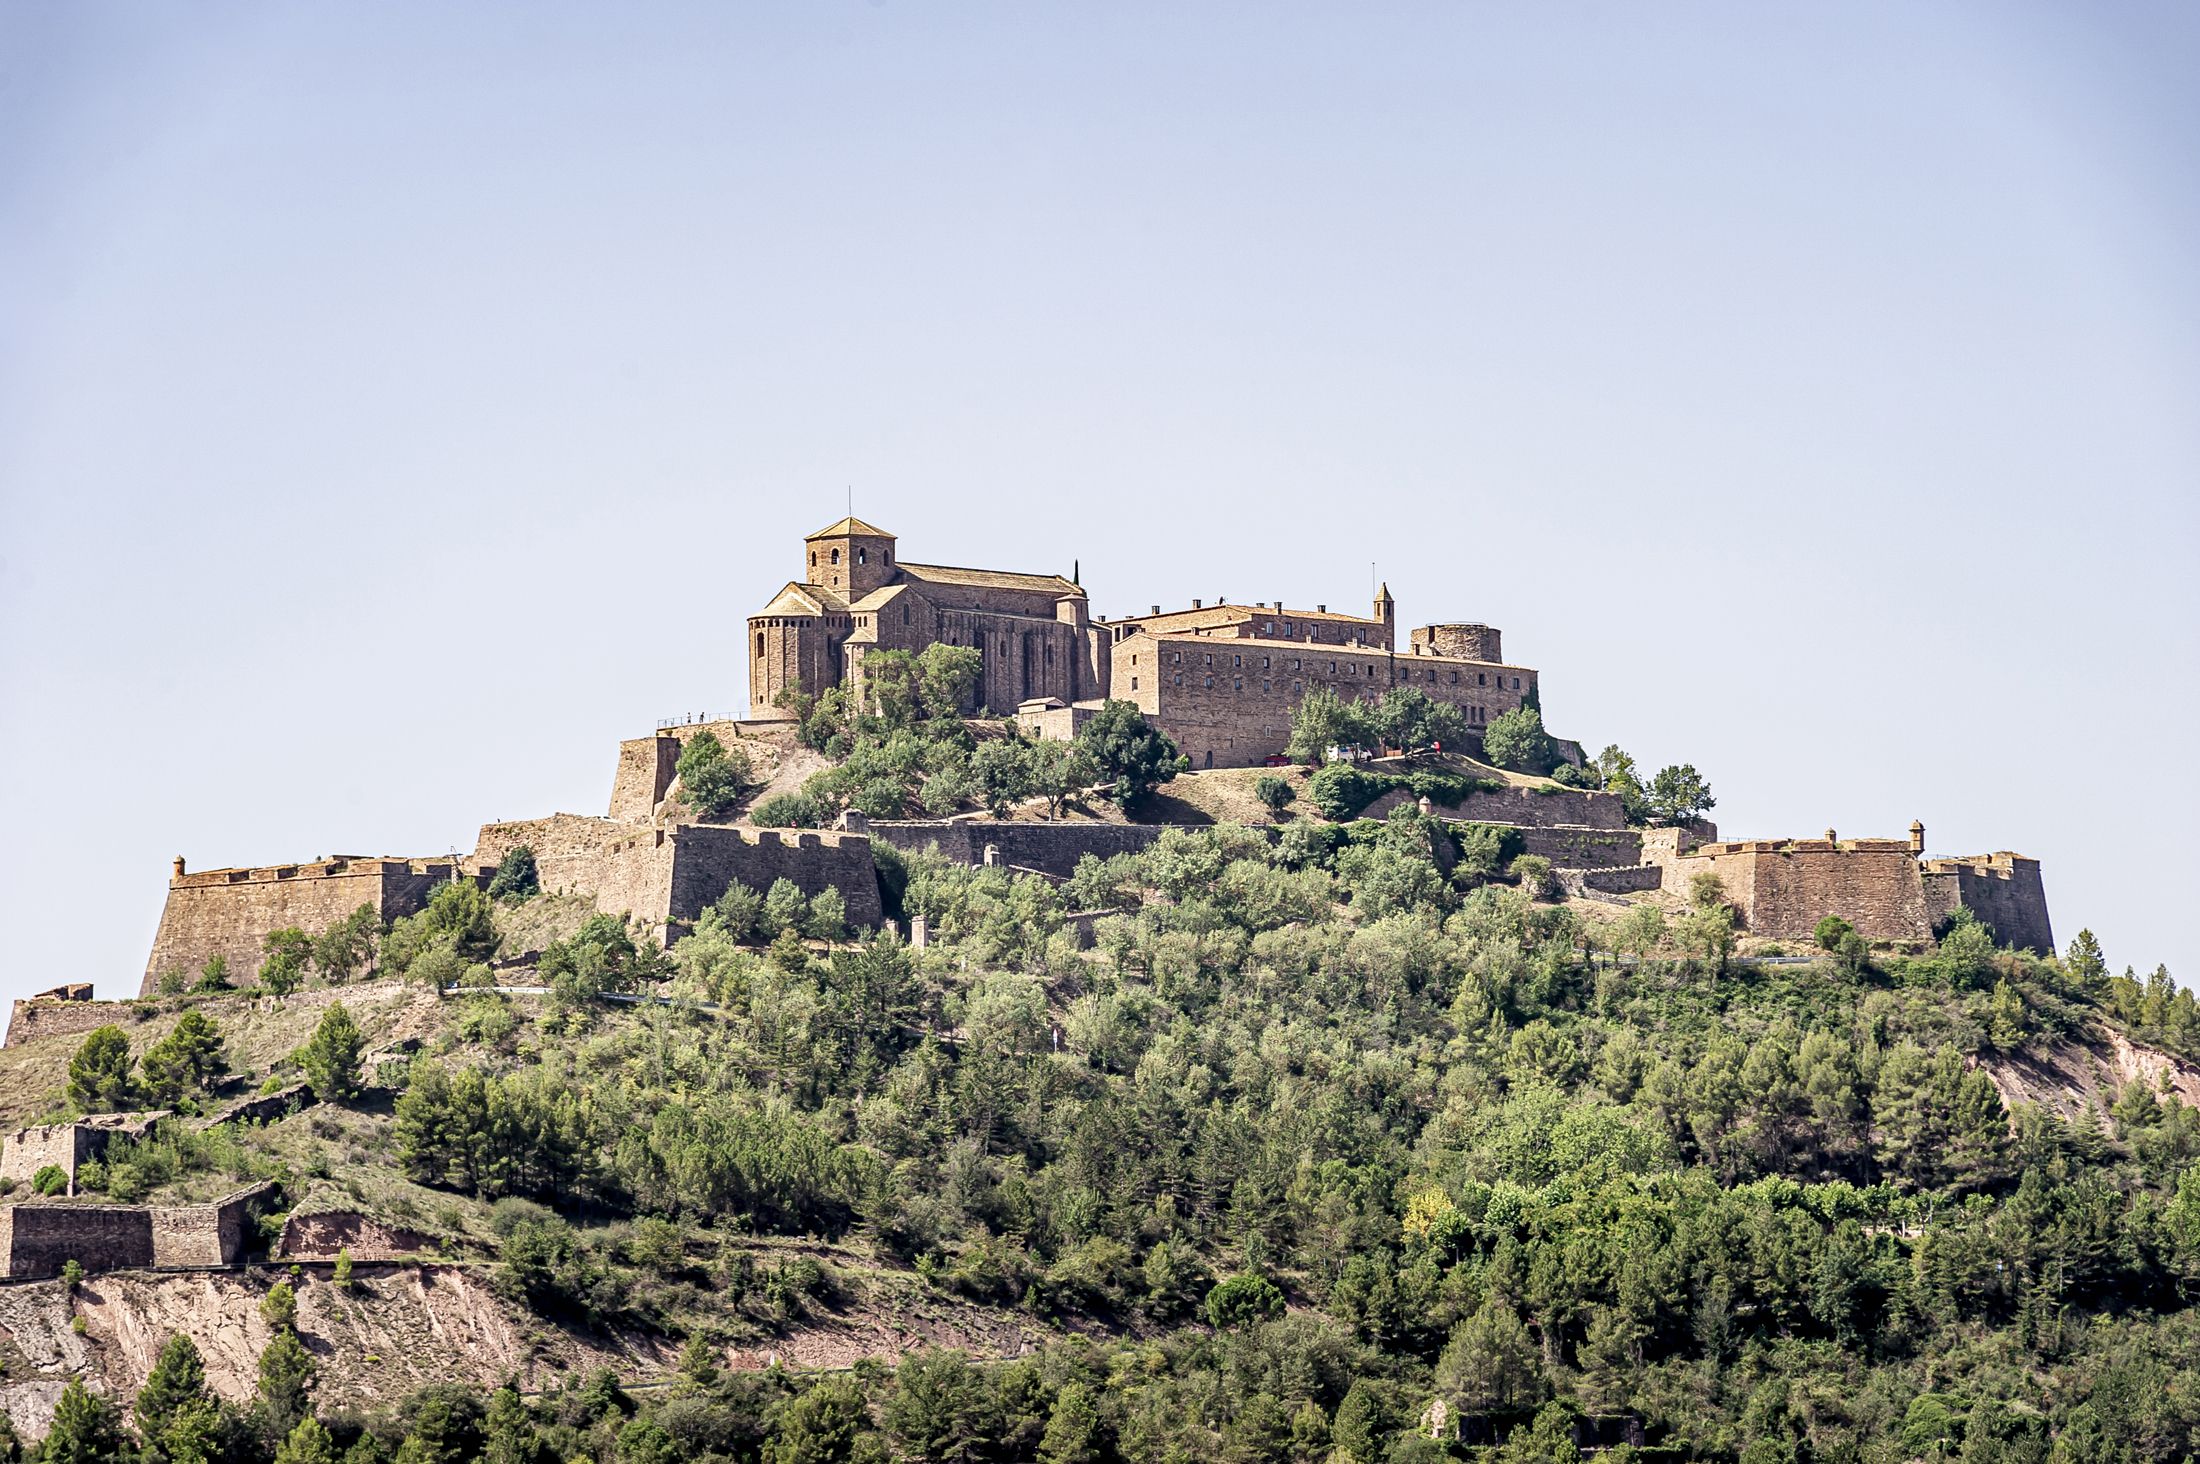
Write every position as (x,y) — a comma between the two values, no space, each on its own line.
(1128,751)
(1533,873)
(516,876)
(1829,932)
(1516,740)
(1242,1300)
(50,1180)
(714,778)
(1277,793)
(788,811)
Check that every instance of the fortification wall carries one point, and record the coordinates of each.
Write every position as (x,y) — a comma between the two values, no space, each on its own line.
(36,1240)
(205,1235)
(1619,881)
(229,912)
(28,1150)
(645,770)
(1527,808)
(2003,889)
(1782,890)
(569,848)
(325,1234)
(706,858)
(1051,848)
(1584,848)
(34,1018)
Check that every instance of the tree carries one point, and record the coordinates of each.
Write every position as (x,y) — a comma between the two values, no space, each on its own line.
(937,1410)
(2085,963)
(1516,740)
(822,1425)
(1274,792)
(714,778)
(279,1308)
(1073,1434)
(86,1429)
(287,951)
(346,948)
(948,677)
(1410,720)
(1059,769)
(1242,1300)
(176,1411)
(1003,768)
(286,1377)
(1679,794)
(1128,751)
(1490,1361)
(189,1059)
(308,1443)
(1323,720)
(1829,931)
(331,1057)
(99,1074)
(516,877)
(214,975)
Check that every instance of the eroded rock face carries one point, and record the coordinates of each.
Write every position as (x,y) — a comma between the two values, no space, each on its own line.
(322,1236)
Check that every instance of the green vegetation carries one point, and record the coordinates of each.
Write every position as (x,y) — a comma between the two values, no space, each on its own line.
(185,1063)
(331,1058)
(516,877)
(1516,740)
(1134,757)
(1404,719)
(1342,791)
(1275,793)
(287,951)
(99,1074)
(714,779)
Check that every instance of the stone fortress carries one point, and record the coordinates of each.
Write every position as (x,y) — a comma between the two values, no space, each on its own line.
(1221,680)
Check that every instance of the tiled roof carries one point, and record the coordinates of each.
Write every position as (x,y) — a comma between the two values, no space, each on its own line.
(1210,615)
(991,579)
(797,598)
(846,527)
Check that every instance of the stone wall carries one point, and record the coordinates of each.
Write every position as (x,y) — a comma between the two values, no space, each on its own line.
(36,1240)
(323,1235)
(666,876)
(28,1150)
(1620,881)
(35,1018)
(1583,848)
(229,912)
(2003,889)
(1050,848)
(1227,702)
(1550,807)
(1782,890)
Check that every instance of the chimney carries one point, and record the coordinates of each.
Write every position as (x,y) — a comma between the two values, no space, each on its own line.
(1156,610)
(1321,609)
(1196,605)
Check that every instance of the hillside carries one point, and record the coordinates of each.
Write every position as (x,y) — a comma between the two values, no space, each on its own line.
(1311,1137)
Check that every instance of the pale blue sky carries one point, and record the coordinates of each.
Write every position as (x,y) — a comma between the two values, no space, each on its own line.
(401,403)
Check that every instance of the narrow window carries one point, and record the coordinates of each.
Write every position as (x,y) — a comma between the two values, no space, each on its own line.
(1481,678)
(1134,683)
(836,556)
(760,643)
(863,556)
(1264,686)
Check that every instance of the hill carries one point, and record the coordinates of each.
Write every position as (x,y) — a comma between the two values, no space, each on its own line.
(1309,1139)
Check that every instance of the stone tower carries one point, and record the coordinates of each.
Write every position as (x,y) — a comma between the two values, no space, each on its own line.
(1386,611)
(851,558)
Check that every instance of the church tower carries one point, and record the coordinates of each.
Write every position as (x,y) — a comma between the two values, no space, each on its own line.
(850,558)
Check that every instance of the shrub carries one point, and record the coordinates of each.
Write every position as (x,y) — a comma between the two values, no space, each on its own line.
(214,975)
(714,778)
(99,1073)
(1242,1300)
(1533,873)
(1516,740)
(788,811)
(1128,751)
(1829,932)
(516,876)
(288,950)
(50,1180)
(1277,793)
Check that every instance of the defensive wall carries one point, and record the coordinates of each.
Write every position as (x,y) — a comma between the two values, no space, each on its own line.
(36,1240)
(1783,888)
(1228,702)
(2002,889)
(647,765)
(228,912)
(668,876)
(1528,808)
(1049,848)
(66,1011)
(28,1150)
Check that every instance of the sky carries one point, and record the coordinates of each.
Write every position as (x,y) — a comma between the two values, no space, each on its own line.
(400,404)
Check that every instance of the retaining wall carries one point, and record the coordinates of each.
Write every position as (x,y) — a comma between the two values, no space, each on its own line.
(1050,848)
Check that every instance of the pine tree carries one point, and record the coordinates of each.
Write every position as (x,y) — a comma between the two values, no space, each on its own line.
(308,1443)
(286,1376)
(189,1059)
(1073,1429)
(176,1411)
(331,1057)
(86,1430)
(99,1074)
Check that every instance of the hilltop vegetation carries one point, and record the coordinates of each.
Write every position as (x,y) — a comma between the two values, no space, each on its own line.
(1319,1131)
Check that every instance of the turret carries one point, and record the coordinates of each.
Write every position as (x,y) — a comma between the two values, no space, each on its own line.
(1386,610)
(1917,838)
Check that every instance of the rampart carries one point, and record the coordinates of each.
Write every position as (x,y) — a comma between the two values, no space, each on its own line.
(647,765)
(37,1240)
(1050,848)
(1543,807)
(49,1017)
(2002,889)
(667,876)
(28,1150)
(1583,848)
(229,912)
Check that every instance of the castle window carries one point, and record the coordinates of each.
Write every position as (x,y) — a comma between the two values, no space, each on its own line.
(836,556)
(1454,678)
(1134,659)
(1263,663)
(863,556)
(1134,683)
(1239,685)
(1177,657)
(813,559)
(905,615)
(1516,683)
(1238,661)
(760,643)
(1179,678)
(1210,681)
(1264,687)
(1481,678)
(1297,687)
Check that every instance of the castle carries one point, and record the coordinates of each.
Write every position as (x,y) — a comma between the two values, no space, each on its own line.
(1220,680)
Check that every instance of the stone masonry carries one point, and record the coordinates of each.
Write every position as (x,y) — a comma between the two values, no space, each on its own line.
(37,1240)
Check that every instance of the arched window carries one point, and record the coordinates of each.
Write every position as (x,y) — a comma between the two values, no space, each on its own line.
(836,556)
(760,643)
(863,556)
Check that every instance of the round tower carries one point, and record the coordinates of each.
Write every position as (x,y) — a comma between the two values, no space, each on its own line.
(1465,640)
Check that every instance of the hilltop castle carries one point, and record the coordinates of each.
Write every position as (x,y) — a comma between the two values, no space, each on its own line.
(1044,656)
